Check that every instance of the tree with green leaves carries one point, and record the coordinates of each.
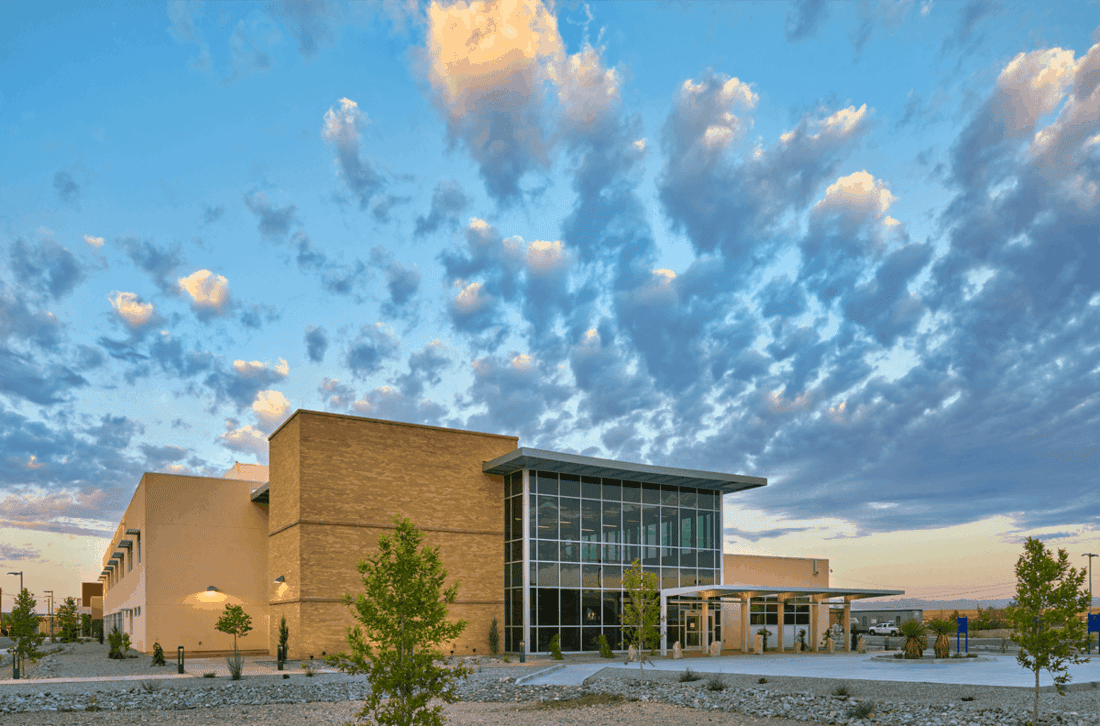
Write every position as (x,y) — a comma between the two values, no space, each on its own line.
(23,627)
(641,619)
(234,621)
(402,616)
(69,621)
(1049,595)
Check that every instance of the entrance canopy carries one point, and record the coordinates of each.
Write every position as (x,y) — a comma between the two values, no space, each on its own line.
(816,594)
(748,593)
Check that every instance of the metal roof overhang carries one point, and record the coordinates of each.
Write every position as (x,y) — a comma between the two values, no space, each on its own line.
(822,593)
(128,544)
(133,532)
(260,494)
(578,465)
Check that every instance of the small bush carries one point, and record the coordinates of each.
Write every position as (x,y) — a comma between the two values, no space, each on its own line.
(308,668)
(863,709)
(494,637)
(899,656)
(286,675)
(762,680)
(688,676)
(842,691)
(115,641)
(506,658)
(555,649)
(158,655)
(968,698)
(208,674)
(605,647)
(714,683)
(236,665)
(151,686)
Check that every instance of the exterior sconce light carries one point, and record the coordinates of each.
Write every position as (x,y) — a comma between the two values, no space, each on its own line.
(211,589)
(280,580)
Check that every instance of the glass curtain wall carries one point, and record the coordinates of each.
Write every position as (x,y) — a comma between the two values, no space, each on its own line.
(583,532)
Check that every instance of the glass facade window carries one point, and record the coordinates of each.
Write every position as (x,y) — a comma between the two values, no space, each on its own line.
(582,532)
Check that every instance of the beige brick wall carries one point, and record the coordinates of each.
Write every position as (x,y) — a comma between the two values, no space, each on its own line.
(352,476)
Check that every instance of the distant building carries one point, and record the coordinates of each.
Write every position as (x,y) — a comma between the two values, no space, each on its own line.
(537,539)
(897,616)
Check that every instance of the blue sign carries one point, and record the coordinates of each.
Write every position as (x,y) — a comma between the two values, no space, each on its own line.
(1094,623)
(962,626)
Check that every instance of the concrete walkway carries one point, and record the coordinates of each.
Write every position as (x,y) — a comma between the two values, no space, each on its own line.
(1000,670)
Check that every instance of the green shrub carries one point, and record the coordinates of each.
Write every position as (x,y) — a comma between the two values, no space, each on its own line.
(555,649)
(115,641)
(494,638)
(842,691)
(688,676)
(714,683)
(236,665)
(158,655)
(605,647)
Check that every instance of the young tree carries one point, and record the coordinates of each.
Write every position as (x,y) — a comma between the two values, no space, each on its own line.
(284,638)
(23,627)
(68,621)
(234,621)
(1049,596)
(403,617)
(641,618)
(494,638)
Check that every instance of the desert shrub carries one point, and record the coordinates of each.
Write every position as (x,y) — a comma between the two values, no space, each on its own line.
(762,680)
(863,709)
(688,676)
(151,686)
(115,641)
(714,683)
(236,665)
(209,674)
(842,691)
(158,655)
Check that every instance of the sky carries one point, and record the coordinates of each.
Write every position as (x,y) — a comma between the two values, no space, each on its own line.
(850,247)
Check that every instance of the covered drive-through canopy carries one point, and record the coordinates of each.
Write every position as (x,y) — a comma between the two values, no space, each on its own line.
(745,594)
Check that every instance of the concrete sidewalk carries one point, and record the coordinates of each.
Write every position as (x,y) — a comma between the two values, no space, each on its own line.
(998,670)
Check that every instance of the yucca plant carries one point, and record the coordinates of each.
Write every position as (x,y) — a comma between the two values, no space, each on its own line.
(915,638)
(943,628)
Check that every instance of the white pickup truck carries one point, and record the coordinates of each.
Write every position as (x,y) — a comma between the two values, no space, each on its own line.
(883,629)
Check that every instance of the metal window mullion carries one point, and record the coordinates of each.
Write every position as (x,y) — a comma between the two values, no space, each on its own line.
(526,561)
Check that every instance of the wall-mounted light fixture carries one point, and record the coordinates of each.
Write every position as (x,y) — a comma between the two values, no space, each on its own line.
(211,589)
(280,580)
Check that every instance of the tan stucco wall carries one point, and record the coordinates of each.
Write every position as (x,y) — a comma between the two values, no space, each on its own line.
(195,532)
(771,572)
(775,571)
(337,482)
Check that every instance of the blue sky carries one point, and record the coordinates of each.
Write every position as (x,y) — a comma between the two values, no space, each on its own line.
(850,247)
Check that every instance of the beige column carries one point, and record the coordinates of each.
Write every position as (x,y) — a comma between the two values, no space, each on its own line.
(813,624)
(704,637)
(847,625)
(779,637)
(746,638)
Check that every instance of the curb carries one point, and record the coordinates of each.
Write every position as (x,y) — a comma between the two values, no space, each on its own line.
(522,680)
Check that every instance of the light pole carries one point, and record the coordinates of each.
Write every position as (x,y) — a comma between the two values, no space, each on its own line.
(1090,556)
(21,578)
(49,594)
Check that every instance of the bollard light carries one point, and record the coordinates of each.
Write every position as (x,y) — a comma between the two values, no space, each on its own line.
(179,659)
(522,652)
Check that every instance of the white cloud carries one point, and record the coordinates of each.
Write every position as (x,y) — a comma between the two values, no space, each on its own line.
(588,92)
(131,309)
(470,300)
(271,407)
(96,242)
(206,289)
(1033,84)
(544,258)
(248,369)
(857,195)
(246,439)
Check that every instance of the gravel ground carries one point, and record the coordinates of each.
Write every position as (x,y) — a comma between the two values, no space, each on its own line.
(490,696)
